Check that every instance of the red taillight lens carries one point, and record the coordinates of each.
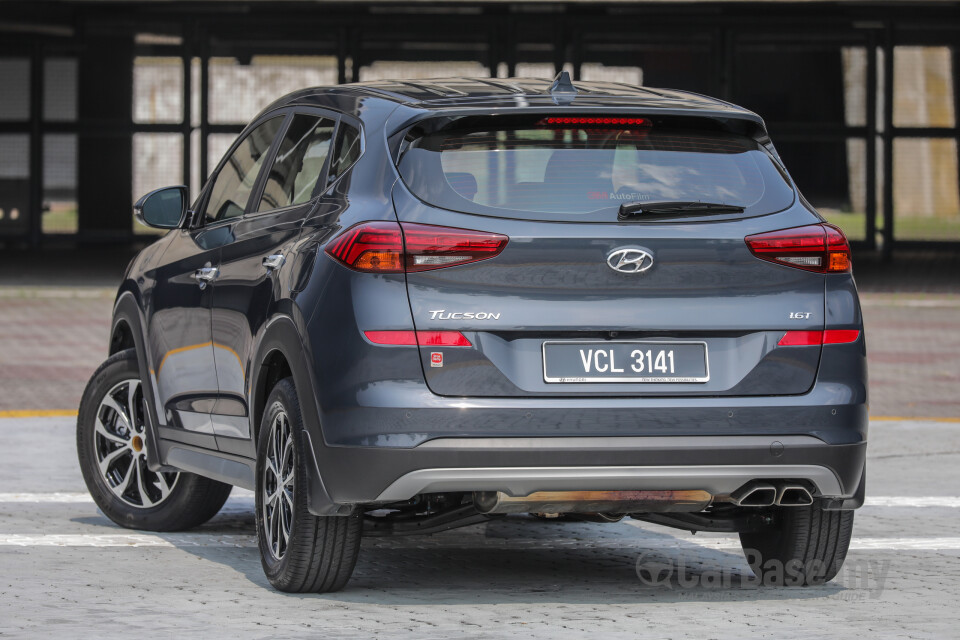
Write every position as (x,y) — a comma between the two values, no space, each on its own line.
(379,247)
(817,247)
(423,338)
(430,247)
(597,121)
(812,338)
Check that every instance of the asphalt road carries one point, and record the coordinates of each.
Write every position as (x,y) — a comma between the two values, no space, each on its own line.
(66,571)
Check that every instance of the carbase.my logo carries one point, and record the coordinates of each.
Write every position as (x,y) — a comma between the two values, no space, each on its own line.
(655,570)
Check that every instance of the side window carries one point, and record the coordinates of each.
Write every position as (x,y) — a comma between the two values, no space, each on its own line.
(233,185)
(347,150)
(300,160)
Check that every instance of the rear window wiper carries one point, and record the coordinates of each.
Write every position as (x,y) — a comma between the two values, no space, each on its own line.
(640,210)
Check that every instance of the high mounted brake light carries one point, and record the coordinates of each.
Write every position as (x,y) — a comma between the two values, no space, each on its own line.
(602,121)
(388,247)
(817,247)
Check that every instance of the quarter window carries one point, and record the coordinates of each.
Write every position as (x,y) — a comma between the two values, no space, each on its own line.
(300,161)
(347,150)
(231,190)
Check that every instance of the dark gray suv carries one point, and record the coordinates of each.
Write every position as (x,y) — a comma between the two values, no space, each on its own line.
(403,307)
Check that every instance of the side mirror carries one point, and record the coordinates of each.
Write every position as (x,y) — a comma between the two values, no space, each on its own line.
(164,208)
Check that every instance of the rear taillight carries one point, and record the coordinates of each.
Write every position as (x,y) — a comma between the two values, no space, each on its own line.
(387,247)
(817,247)
(813,338)
(371,246)
(422,338)
(430,247)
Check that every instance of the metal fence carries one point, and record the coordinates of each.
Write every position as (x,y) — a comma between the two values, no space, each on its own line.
(860,99)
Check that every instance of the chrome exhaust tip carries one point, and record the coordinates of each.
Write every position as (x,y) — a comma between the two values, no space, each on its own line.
(755,494)
(791,495)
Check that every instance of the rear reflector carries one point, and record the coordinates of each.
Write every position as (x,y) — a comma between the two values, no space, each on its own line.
(801,339)
(840,336)
(812,338)
(602,121)
(387,247)
(442,339)
(423,338)
(817,247)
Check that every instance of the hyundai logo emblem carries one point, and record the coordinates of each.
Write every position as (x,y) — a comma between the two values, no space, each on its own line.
(630,260)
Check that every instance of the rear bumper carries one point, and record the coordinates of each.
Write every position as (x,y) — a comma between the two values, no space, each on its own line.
(519,466)
(392,438)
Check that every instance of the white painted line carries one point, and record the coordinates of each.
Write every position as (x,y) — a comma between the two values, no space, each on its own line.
(127,540)
(913,501)
(37,498)
(241,497)
(448,542)
(859,544)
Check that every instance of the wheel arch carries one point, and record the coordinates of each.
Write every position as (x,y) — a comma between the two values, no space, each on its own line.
(281,351)
(272,370)
(128,331)
(121,337)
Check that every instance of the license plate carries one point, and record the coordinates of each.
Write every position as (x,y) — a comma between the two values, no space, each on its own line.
(625,361)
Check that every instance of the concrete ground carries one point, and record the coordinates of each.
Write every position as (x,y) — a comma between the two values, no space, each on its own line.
(66,571)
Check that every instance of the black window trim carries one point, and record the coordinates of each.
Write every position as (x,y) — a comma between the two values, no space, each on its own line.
(260,184)
(323,185)
(358,125)
(199,213)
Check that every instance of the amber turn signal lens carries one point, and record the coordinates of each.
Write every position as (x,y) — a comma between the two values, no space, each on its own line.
(839,261)
(378,261)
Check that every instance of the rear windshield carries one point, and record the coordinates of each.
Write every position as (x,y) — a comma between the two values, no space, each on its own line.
(572,173)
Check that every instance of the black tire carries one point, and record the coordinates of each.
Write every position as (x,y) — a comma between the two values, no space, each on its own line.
(805,546)
(321,551)
(191,499)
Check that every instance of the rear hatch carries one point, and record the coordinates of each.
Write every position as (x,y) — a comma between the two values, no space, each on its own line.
(606,285)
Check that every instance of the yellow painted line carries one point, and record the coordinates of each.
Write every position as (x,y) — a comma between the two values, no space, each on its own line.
(39,413)
(912,419)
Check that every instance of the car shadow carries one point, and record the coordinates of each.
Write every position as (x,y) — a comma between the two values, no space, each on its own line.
(514,560)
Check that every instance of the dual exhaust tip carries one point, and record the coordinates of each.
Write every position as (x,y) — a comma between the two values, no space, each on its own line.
(765,494)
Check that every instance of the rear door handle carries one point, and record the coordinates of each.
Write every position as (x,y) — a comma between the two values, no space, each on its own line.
(205,275)
(273,262)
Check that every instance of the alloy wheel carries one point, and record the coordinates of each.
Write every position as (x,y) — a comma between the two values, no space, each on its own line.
(121,448)
(279,471)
